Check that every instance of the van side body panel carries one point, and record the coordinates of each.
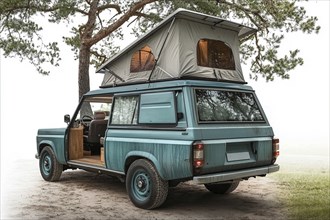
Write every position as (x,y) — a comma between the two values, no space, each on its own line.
(172,158)
(55,138)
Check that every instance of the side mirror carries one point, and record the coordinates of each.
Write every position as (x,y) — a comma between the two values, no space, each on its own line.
(67,119)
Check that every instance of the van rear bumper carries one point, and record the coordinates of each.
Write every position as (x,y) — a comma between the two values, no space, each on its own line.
(234,175)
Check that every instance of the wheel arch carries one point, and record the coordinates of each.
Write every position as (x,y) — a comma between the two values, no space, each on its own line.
(43,144)
(135,155)
(51,144)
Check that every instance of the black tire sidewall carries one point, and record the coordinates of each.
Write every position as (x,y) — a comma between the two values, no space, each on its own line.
(147,167)
(55,166)
(222,188)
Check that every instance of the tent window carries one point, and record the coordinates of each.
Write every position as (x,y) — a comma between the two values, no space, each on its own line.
(215,54)
(142,60)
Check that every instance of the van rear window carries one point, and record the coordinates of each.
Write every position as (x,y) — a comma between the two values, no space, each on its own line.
(227,106)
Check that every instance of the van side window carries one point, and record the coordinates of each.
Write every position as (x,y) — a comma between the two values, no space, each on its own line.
(215,54)
(125,110)
(142,60)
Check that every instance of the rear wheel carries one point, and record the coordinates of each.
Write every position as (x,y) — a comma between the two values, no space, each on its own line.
(146,189)
(222,188)
(50,168)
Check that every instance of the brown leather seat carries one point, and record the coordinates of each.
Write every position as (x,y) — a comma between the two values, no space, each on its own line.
(97,128)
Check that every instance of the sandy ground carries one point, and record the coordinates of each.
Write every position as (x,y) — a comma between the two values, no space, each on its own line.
(84,195)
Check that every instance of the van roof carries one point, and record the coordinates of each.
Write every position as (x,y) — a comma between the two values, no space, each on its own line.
(129,88)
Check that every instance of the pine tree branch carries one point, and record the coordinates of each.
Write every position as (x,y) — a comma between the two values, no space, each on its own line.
(32,7)
(125,17)
(87,31)
(109,6)
(40,8)
(80,11)
(100,20)
(138,15)
(99,56)
(248,12)
(257,61)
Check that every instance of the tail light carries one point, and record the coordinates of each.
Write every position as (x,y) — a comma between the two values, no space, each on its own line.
(198,148)
(276,149)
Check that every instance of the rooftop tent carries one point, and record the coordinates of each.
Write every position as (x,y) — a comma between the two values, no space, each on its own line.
(186,44)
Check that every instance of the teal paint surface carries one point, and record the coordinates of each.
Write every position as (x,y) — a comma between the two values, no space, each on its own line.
(229,131)
(240,152)
(229,154)
(167,85)
(54,138)
(157,108)
(172,158)
(265,150)
(215,155)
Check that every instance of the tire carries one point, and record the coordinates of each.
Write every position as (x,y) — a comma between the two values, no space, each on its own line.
(50,168)
(222,188)
(145,188)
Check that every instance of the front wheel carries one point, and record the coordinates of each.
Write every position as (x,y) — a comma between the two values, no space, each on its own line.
(222,188)
(50,168)
(146,189)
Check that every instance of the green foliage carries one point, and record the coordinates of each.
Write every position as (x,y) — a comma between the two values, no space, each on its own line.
(20,31)
(273,19)
(306,195)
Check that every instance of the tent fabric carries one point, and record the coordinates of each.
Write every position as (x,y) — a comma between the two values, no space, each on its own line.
(179,56)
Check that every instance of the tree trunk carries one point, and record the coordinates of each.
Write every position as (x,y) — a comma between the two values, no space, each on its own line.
(83,78)
(83,74)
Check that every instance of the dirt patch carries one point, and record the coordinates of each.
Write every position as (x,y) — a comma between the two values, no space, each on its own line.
(84,195)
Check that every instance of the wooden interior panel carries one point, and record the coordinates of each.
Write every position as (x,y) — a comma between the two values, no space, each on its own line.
(76,143)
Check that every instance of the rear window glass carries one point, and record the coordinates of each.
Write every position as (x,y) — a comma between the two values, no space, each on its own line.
(227,106)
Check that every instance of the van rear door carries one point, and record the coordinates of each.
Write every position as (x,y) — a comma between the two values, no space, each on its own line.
(234,130)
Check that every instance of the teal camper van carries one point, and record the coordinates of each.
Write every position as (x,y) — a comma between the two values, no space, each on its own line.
(173,107)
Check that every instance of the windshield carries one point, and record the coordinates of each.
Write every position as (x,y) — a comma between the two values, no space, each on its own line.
(227,106)
(92,105)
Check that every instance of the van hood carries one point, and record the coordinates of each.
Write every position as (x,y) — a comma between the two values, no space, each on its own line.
(51,131)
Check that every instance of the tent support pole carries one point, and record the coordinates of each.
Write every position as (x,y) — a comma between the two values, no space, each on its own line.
(115,75)
(161,49)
